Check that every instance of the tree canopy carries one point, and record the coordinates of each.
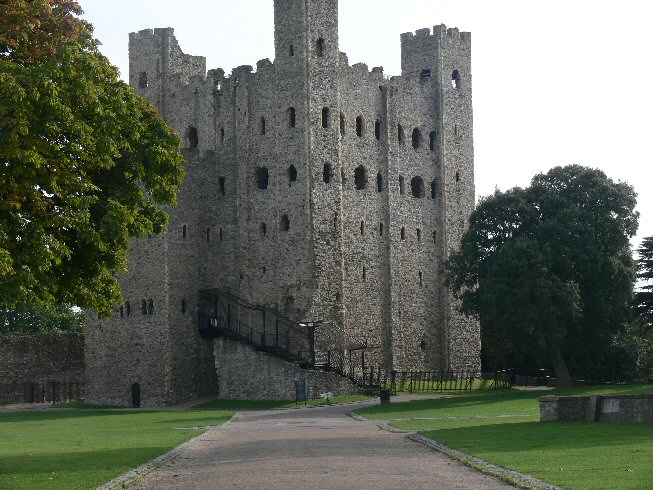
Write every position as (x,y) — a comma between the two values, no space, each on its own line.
(29,318)
(85,163)
(548,269)
(644,297)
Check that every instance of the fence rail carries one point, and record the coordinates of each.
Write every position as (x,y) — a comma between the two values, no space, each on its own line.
(41,392)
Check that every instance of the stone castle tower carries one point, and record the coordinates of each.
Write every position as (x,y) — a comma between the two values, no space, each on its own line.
(330,190)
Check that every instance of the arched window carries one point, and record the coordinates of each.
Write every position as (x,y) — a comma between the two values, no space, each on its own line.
(122,311)
(417,138)
(208,234)
(285,223)
(403,233)
(143,307)
(359,126)
(325,117)
(319,48)
(434,189)
(262,125)
(193,139)
(184,306)
(417,187)
(419,235)
(150,306)
(326,173)
(128,308)
(263,229)
(400,134)
(380,229)
(292,174)
(433,140)
(342,124)
(360,178)
(184,231)
(455,79)
(379,182)
(142,80)
(401,185)
(262,177)
(377,129)
(457,176)
(221,185)
(291,117)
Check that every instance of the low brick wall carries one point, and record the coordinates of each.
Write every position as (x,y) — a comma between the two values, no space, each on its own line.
(597,408)
(247,374)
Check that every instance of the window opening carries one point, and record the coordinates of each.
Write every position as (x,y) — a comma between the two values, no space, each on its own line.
(419,234)
(401,185)
(455,79)
(193,139)
(208,234)
(360,178)
(364,273)
(221,185)
(128,309)
(433,140)
(326,173)
(362,228)
(435,236)
(400,134)
(220,235)
(359,126)
(292,50)
(122,311)
(184,306)
(292,117)
(380,229)
(319,48)
(403,233)
(142,80)
(262,125)
(263,270)
(342,124)
(285,223)
(337,297)
(292,174)
(455,129)
(262,177)
(143,307)
(325,117)
(457,176)
(425,75)
(420,278)
(417,138)
(379,182)
(377,129)
(422,345)
(335,221)
(417,187)
(434,189)
(222,136)
(184,231)
(263,229)
(150,306)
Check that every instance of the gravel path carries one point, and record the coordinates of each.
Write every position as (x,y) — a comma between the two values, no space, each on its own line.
(311,448)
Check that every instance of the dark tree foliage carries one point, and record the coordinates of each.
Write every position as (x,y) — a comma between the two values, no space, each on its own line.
(644,297)
(85,164)
(548,269)
(27,318)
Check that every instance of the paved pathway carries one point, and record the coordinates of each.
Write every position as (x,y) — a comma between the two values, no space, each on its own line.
(312,448)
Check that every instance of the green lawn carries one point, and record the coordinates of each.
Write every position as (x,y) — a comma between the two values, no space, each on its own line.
(83,449)
(276,404)
(502,427)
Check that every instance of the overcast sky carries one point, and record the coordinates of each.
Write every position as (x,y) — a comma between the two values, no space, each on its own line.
(554,82)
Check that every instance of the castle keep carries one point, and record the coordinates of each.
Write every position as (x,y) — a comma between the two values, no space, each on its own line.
(330,192)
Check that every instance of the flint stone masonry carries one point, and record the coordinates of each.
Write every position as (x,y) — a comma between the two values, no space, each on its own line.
(272,211)
(245,373)
(41,357)
(597,408)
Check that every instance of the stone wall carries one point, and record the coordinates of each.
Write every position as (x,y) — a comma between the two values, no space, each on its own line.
(41,358)
(601,408)
(247,374)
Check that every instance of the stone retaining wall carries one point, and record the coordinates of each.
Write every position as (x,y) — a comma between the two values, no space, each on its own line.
(597,408)
(247,374)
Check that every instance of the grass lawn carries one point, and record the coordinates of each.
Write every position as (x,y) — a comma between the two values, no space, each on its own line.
(502,427)
(276,404)
(83,449)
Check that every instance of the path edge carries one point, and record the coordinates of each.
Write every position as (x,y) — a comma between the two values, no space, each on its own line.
(132,476)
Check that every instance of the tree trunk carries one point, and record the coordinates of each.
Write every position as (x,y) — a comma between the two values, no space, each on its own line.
(563,379)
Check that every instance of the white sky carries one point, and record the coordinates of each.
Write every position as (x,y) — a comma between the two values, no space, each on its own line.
(554,81)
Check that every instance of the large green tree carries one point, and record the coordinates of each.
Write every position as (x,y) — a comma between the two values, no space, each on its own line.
(548,269)
(644,297)
(85,163)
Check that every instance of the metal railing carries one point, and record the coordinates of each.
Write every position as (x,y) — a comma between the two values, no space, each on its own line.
(41,392)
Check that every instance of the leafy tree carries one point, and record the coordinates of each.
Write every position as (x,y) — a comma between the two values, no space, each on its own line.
(85,164)
(549,269)
(28,318)
(644,298)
